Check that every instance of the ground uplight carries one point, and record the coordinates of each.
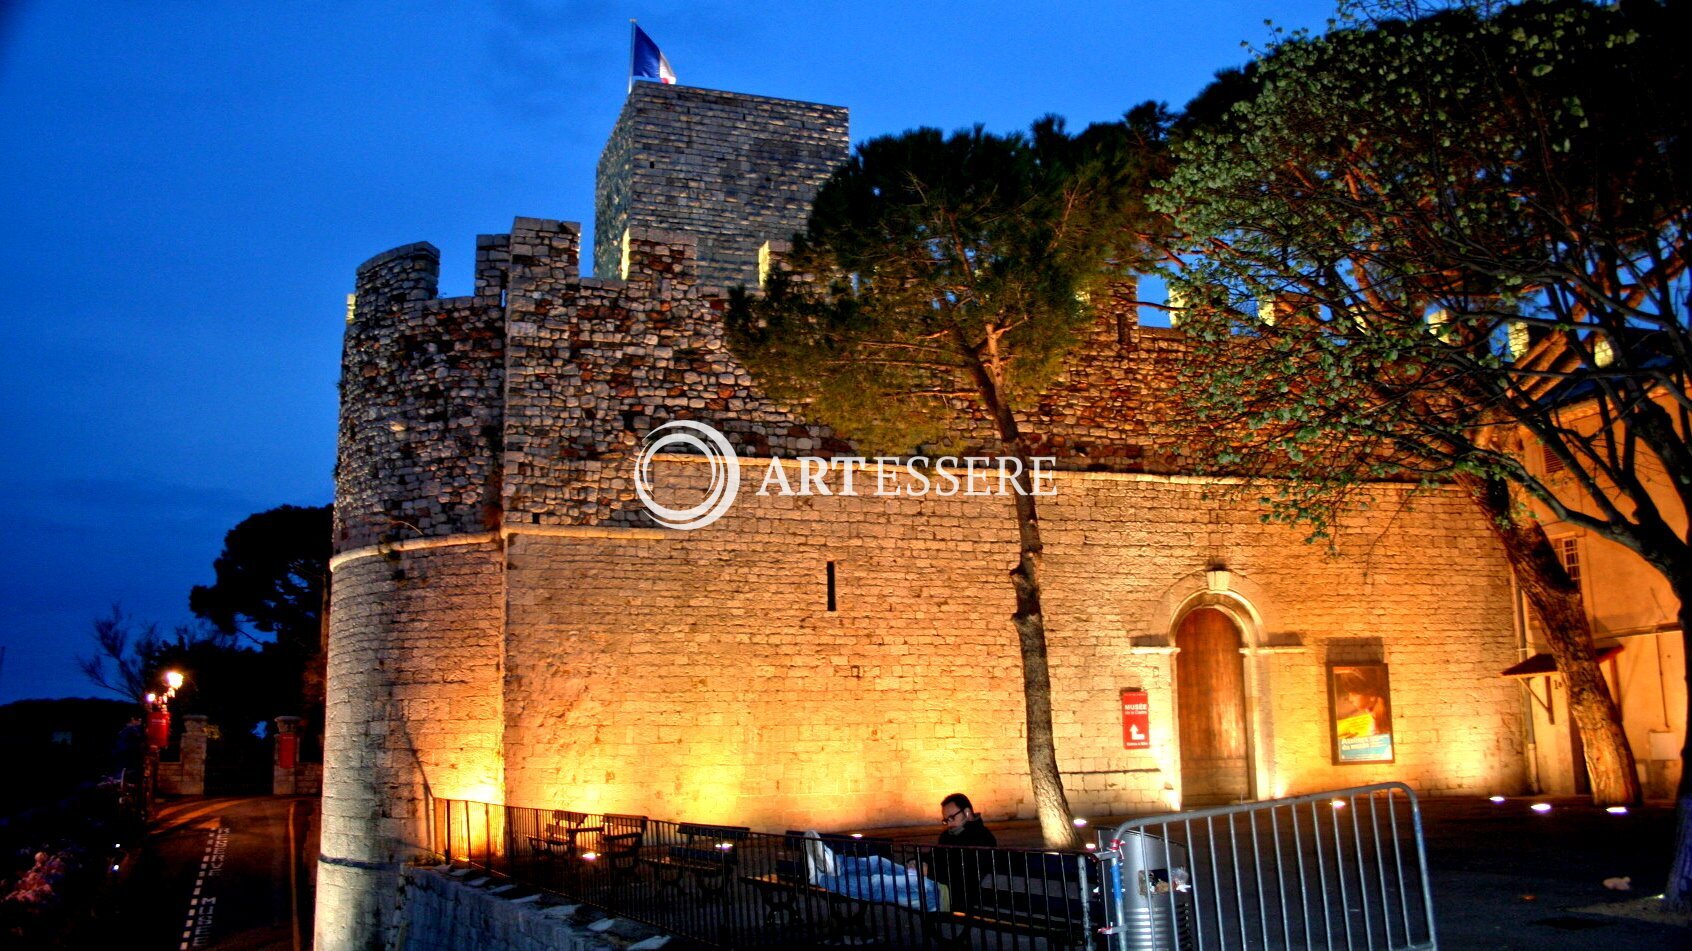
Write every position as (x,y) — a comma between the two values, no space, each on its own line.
(1616,810)
(1495,799)
(1541,807)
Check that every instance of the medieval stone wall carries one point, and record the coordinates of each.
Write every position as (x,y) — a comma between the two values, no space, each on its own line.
(596,364)
(421,402)
(415,709)
(730,170)
(701,676)
(1110,406)
(618,635)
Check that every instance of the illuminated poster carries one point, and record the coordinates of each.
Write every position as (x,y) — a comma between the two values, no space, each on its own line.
(1136,720)
(1360,705)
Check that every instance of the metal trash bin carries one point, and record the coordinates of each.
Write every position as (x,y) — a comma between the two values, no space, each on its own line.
(1155,881)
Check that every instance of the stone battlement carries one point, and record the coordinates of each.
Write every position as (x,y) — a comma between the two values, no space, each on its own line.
(524,402)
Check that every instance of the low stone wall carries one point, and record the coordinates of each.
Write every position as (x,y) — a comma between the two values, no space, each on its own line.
(305,779)
(442,910)
(186,776)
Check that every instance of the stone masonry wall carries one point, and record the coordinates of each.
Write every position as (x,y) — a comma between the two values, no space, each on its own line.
(583,367)
(421,402)
(728,169)
(1110,407)
(700,676)
(596,364)
(414,709)
(443,912)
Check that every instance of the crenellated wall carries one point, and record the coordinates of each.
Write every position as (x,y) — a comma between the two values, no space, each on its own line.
(596,364)
(422,382)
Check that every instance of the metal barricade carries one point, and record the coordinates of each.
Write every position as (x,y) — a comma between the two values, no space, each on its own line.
(1341,869)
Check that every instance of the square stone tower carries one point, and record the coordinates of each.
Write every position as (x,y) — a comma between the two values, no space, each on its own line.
(728,169)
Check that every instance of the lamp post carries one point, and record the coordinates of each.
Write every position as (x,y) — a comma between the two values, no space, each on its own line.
(158,736)
(158,711)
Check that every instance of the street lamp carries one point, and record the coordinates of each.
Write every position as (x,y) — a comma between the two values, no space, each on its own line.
(158,736)
(158,711)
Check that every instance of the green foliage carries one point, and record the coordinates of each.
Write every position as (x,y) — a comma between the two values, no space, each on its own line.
(944,275)
(1467,221)
(272,573)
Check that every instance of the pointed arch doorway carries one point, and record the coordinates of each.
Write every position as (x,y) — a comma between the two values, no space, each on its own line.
(1211,710)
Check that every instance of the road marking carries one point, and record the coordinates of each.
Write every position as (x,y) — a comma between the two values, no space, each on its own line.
(183,815)
(197,929)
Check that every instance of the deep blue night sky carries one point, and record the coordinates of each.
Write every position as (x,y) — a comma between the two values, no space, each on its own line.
(186,187)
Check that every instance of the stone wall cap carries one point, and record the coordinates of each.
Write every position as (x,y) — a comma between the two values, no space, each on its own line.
(677,91)
(413,250)
(553,225)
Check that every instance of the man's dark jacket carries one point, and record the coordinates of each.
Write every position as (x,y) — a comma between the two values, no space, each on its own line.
(960,869)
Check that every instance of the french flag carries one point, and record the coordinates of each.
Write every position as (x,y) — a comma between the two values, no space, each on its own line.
(648,60)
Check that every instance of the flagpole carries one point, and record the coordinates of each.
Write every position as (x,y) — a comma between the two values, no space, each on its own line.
(631,53)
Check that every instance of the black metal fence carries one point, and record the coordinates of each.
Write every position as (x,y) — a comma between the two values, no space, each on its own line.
(730,887)
(1343,869)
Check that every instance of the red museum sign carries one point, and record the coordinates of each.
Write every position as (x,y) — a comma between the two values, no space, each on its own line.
(1136,720)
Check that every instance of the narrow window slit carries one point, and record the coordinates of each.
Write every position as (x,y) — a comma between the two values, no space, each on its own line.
(831,586)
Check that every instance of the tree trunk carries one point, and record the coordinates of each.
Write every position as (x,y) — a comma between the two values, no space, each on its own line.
(1057,822)
(1556,599)
(1677,894)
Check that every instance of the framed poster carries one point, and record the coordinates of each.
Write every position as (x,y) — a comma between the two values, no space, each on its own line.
(1360,713)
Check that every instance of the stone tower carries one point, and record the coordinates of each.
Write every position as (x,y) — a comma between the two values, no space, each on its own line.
(464,418)
(730,170)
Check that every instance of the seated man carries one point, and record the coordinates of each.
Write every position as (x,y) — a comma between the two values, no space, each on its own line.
(960,869)
(868,877)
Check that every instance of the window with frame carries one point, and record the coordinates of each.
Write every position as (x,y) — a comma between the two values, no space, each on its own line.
(1568,552)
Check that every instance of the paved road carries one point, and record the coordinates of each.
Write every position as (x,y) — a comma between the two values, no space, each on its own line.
(1508,879)
(225,875)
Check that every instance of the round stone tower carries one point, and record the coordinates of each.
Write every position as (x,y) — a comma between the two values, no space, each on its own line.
(415,655)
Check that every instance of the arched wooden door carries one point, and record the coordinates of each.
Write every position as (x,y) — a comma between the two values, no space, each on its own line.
(1210,707)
